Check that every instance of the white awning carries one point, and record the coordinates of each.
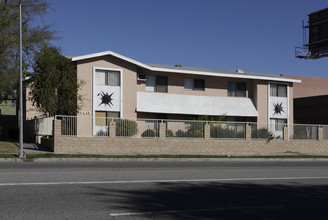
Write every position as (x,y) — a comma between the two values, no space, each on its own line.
(154,102)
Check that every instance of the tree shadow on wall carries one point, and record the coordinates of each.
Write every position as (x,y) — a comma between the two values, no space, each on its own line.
(218,200)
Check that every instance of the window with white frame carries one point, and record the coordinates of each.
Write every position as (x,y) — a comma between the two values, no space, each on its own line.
(107,77)
(278,124)
(278,90)
(194,84)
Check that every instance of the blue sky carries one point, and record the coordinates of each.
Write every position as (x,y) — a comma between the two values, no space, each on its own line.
(255,35)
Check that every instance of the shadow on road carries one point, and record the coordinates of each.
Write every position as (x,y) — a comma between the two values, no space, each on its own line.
(219,200)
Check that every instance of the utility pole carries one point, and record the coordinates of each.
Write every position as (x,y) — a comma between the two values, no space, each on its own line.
(21,148)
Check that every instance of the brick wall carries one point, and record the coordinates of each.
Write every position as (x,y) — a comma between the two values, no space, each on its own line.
(197,146)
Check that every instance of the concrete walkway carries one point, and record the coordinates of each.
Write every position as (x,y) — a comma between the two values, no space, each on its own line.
(31,148)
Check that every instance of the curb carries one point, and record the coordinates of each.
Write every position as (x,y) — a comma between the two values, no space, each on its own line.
(154,159)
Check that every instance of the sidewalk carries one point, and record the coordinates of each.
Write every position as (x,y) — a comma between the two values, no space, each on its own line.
(31,148)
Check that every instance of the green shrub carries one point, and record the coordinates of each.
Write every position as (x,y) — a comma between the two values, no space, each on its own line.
(169,133)
(261,133)
(180,133)
(150,133)
(195,133)
(196,130)
(126,128)
(102,133)
(219,132)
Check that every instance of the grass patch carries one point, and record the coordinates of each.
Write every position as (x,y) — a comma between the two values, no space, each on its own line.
(284,156)
(8,147)
(8,156)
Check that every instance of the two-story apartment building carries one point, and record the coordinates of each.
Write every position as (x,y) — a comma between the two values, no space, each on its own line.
(118,86)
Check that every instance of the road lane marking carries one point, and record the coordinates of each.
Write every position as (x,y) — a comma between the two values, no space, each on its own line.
(162,168)
(159,181)
(193,210)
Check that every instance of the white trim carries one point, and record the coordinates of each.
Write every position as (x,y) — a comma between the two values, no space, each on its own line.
(268,104)
(93,91)
(93,104)
(269,101)
(105,53)
(288,104)
(203,73)
(240,76)
(288,110)
(121,81)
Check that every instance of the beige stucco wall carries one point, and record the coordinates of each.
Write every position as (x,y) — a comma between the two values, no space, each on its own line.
(214,86)
(310,86)
(129,82)
(261,100)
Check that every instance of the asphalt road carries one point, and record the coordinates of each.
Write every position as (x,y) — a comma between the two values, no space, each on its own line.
(164,190)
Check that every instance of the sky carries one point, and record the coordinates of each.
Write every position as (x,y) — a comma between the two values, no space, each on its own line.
(257,36)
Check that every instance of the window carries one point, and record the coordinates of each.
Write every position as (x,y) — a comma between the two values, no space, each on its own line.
(237,89)
(199,84)
(102,117)
(237,127)
(153,123)
(278,124)
(194,84)
(156,83)
(161,84)
(107,78)
(189,84)
(278,90)
(150,83)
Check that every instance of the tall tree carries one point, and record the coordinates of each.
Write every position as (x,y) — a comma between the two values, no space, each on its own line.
(54,84)
(33,39)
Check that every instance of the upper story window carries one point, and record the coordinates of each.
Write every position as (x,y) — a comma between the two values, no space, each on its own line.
(194,84)
(278,90)
(107,78)
(237,89)
(156,83)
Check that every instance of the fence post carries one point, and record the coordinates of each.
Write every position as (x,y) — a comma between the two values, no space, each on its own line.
(57,128)
(112,129)
(162,130)
(285,133)
(320,133)
(248,131)
(207,131)
(57,133)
